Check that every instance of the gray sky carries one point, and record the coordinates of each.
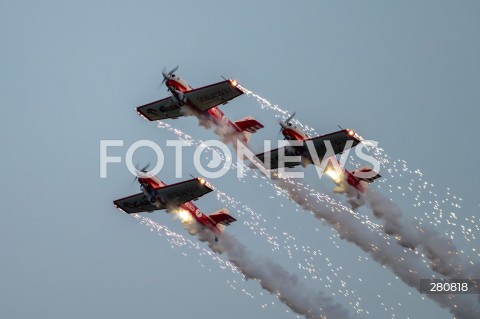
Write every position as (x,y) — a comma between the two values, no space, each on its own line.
(403,73)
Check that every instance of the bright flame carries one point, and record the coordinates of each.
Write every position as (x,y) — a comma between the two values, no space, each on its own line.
(202,181)
(350,132)
(334,175)
(184,216)
(234,83)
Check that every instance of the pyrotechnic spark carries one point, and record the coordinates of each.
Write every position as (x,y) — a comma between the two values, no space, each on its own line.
(437,212)
(267,105)
(440,207)
(178,241)
(258,225)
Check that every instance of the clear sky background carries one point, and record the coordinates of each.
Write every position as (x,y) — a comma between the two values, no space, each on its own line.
(405,74)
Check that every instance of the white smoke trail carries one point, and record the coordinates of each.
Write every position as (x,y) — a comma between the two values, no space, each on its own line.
(273,278)
(444,258)
(258,228)
(436,211)
(398,171)
(286,113)
(431,253)
(285,286)
(326,200)
(228,134)
(403,263)
(179,241)
(203,120)
(440,251)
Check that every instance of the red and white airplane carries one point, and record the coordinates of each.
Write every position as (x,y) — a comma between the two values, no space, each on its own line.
(156,195)
(202,101)
(339,142)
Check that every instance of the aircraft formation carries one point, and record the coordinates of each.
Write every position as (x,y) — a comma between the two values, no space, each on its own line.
(204,103)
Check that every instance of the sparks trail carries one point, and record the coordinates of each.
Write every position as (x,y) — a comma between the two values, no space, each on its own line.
(398,169)
(442,255)
(258,227)
(435,209)
(331,204)
(273,278)
(285,286)
(439,250)
(275,108)
(179,241)
(257,223)
(403,263)
(420,192)
(444,258)
(369,224)
(445,262)
(280,113)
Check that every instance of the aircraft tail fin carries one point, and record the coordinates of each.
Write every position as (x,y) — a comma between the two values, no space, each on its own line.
(221,218)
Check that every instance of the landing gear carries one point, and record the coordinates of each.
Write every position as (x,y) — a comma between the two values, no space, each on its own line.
(216,238)
(153,199)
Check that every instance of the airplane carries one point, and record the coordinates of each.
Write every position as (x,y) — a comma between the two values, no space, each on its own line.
(202,102)
(156,195)
(358,178)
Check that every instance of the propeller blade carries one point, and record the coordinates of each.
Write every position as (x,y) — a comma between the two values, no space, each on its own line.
(134,180)
(160,86)
(279,132)
(290,117)
(173,70)
(167,75)
(143,170)
(281,128)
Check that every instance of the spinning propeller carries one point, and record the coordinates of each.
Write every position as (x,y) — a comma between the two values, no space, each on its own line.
(166,76)
(284,125)
(143,170)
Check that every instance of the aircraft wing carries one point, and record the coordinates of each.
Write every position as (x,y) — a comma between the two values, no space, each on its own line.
(170,195)
(160,110)
(274,158)
(209,96)
(135,204)
(338,140)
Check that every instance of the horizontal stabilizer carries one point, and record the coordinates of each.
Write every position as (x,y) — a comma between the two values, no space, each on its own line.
(248,124)
(222,217)
(366,174)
